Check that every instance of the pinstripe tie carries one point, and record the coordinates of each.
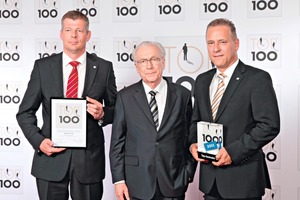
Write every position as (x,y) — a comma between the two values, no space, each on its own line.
(153,107)
(72,87)
(218,95)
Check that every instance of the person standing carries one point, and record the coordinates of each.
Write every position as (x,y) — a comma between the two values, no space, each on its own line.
(149,153)
(248,111)
(185,51)
(81,169)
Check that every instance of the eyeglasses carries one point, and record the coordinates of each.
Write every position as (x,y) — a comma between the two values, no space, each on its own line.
(144,62)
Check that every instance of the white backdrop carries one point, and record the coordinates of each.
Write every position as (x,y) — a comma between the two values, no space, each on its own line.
(269,32)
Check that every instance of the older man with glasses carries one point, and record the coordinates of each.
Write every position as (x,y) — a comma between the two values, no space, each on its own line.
(149,152)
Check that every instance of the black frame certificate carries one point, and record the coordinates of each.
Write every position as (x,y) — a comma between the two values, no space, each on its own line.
(68,122)
(210,139)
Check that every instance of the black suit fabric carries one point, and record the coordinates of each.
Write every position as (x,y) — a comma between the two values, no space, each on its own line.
(143,156)
(250,117)
(46,81)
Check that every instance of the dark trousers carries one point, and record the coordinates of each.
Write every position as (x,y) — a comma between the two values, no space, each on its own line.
(215,195)
(159,196)
(208,197)
(49,190)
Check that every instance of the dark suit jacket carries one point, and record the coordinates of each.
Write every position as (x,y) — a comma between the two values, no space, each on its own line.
(250,117)
(47,81)
(143,156)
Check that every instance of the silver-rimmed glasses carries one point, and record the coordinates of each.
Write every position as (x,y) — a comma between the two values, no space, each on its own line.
(144,62)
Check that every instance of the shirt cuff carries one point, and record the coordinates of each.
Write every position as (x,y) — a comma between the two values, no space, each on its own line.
(118,182)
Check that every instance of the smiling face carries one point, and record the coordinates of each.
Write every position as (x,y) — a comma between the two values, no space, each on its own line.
(150,64)
(222,46)
(74,35)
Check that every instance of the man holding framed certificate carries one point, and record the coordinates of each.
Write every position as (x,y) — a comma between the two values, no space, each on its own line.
(72,87)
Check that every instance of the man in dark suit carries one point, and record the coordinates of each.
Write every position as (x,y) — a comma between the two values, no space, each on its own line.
(82,169)
(149,157)
(249,113)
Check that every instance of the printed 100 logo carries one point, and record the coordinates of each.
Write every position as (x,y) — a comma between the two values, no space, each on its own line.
(265,49)
(10,11)
(10,52)
(170,10)
(10,139)
(263,5)
(90,8)
(9,94)
(47,11)
(10,180)
(215,9)
(264,8)
(127,10)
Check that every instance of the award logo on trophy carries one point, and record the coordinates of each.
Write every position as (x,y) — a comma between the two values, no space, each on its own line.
(210,140)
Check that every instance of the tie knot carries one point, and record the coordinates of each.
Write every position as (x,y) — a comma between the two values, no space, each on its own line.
(74,63)
(221,76)
(152,93)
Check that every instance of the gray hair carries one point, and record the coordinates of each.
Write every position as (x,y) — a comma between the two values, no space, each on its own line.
(149,43)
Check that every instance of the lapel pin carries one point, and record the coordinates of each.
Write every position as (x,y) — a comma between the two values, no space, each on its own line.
(237,78)
(94,67)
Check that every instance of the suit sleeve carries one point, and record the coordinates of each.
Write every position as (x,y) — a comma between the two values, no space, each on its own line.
(117,144)
(265,117)
(195,116)
(191,162)
(110,96)
(31,102)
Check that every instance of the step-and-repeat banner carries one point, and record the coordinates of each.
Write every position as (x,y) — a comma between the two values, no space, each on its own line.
(269,32)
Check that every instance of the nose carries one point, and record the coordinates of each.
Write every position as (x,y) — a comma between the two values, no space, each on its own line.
(74,34)
(149,64)
(216,47)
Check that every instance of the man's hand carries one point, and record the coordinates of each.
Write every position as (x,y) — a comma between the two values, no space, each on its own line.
(223,158)
(95,108)
(47,147)
(121,191)
(194,152)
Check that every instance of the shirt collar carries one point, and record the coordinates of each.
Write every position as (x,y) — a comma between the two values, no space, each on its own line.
(229,71)
(159,87)
(67,59)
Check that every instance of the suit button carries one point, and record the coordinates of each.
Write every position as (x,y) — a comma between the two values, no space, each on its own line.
(156,143)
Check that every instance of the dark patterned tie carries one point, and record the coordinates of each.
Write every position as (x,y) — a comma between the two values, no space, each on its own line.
(72,87)
(218,95)
(153,108)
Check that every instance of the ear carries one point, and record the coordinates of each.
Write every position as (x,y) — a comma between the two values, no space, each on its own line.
(237,44)
(163,62)
(89,35)
(60,34)
(136,68)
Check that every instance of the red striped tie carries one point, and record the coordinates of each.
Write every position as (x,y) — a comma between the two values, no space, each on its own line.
(72,87)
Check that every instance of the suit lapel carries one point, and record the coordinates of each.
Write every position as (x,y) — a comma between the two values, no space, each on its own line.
(141,100)
(57,73)
(206,87)
(170,102)
(235,80)
(91,70)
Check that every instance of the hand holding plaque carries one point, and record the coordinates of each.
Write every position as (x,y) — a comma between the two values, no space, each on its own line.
(210,140)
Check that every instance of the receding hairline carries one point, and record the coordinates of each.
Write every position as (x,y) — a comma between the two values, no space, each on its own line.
(223,22)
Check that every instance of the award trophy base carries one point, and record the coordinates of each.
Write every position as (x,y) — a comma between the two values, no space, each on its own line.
(207,156)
